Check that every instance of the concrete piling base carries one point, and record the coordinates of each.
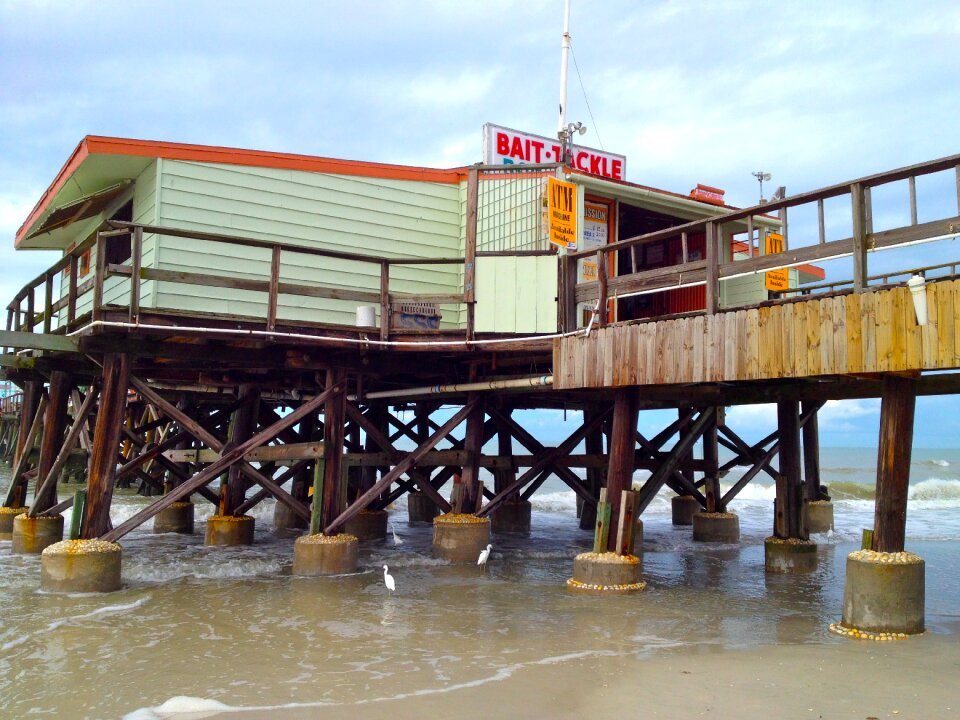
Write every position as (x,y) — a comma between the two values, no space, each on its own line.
(884,592)
(286,519)
(789,556)
(7,514)
(420,508)
(460,537)
(230,530)
(325,554)
(32,535)
(511,517)
(80,566)
(716,527)
(606,572)
(367,525)
(178,518)
(683,508)
(818,515)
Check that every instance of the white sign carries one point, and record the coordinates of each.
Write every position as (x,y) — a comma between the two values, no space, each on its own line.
(503,146)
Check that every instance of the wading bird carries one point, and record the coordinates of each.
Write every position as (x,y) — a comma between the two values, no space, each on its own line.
(388,580)
(396,540)
(484,556)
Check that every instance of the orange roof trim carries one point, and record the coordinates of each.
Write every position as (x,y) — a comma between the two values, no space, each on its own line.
(98,145)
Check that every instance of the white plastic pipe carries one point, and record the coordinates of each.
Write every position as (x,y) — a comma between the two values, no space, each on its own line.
(918,292)
(564,55)
(525,382)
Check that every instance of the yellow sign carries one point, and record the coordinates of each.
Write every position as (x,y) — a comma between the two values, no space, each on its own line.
(562,212)
(776,280)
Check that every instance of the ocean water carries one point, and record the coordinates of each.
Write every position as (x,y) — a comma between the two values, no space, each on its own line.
(198,631)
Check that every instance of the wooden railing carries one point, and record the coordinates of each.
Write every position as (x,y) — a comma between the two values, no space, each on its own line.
(714,268)
(22,315)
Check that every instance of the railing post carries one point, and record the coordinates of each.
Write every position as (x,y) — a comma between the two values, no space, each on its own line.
(858,203)
(30,309)
(384,300)
(274,288)
(470,249)
(99,248)
(72,289)
(47,302)
(912,182)
(713,269)
(601,289)
(136,255)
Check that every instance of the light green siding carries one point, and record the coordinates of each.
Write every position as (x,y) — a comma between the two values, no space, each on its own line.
(373,216)
(517,294)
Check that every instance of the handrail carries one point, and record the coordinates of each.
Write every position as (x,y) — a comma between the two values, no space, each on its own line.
(716,268)
(273,287)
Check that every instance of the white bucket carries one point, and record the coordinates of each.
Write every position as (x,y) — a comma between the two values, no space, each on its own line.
(366,316)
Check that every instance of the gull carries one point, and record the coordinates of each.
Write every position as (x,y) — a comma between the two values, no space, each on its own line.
(388,580)
(484,556)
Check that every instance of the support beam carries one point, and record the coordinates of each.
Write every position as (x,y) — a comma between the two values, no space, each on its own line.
(47,484)
(408,462)
(205,476)
(334,413)
(54,423)
(622,453)
(711,476)
(242,425)
(547,460)
(17,492)
(811,452)
(893,463)
(652,486)
(789,501)
(106,445)
(473,445)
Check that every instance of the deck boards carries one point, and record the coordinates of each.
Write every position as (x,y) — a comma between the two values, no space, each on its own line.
(870,332)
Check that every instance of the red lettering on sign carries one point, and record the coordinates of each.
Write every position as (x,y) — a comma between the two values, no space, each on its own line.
(582,161)
(503,144)
(616,170)
(595,165)
(516,148)
(538,147)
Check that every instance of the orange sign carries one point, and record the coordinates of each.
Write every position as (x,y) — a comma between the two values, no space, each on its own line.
(562,212)
(776,280)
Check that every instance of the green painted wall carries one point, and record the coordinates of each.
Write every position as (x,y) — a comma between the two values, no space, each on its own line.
(517,294)
(383,218)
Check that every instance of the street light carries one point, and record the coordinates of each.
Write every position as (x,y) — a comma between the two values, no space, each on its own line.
(762,176)
(566,136)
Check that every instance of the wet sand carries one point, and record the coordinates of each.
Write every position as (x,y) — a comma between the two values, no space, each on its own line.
(859,680)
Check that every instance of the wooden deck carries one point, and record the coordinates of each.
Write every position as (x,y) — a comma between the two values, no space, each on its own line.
(853,333)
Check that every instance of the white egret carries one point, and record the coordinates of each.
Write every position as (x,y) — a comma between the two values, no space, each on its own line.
(388,580)
(396,540)
(484,556)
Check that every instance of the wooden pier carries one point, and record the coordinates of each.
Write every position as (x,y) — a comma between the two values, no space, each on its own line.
(173,398)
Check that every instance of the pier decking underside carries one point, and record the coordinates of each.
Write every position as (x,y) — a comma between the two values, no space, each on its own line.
(173,407)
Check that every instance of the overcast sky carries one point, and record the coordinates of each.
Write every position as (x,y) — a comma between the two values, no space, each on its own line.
(812,92)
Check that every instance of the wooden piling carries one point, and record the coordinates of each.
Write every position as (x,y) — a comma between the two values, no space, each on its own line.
(106,445)
(622,452)
(893,462)
(789,501)
(54,421)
